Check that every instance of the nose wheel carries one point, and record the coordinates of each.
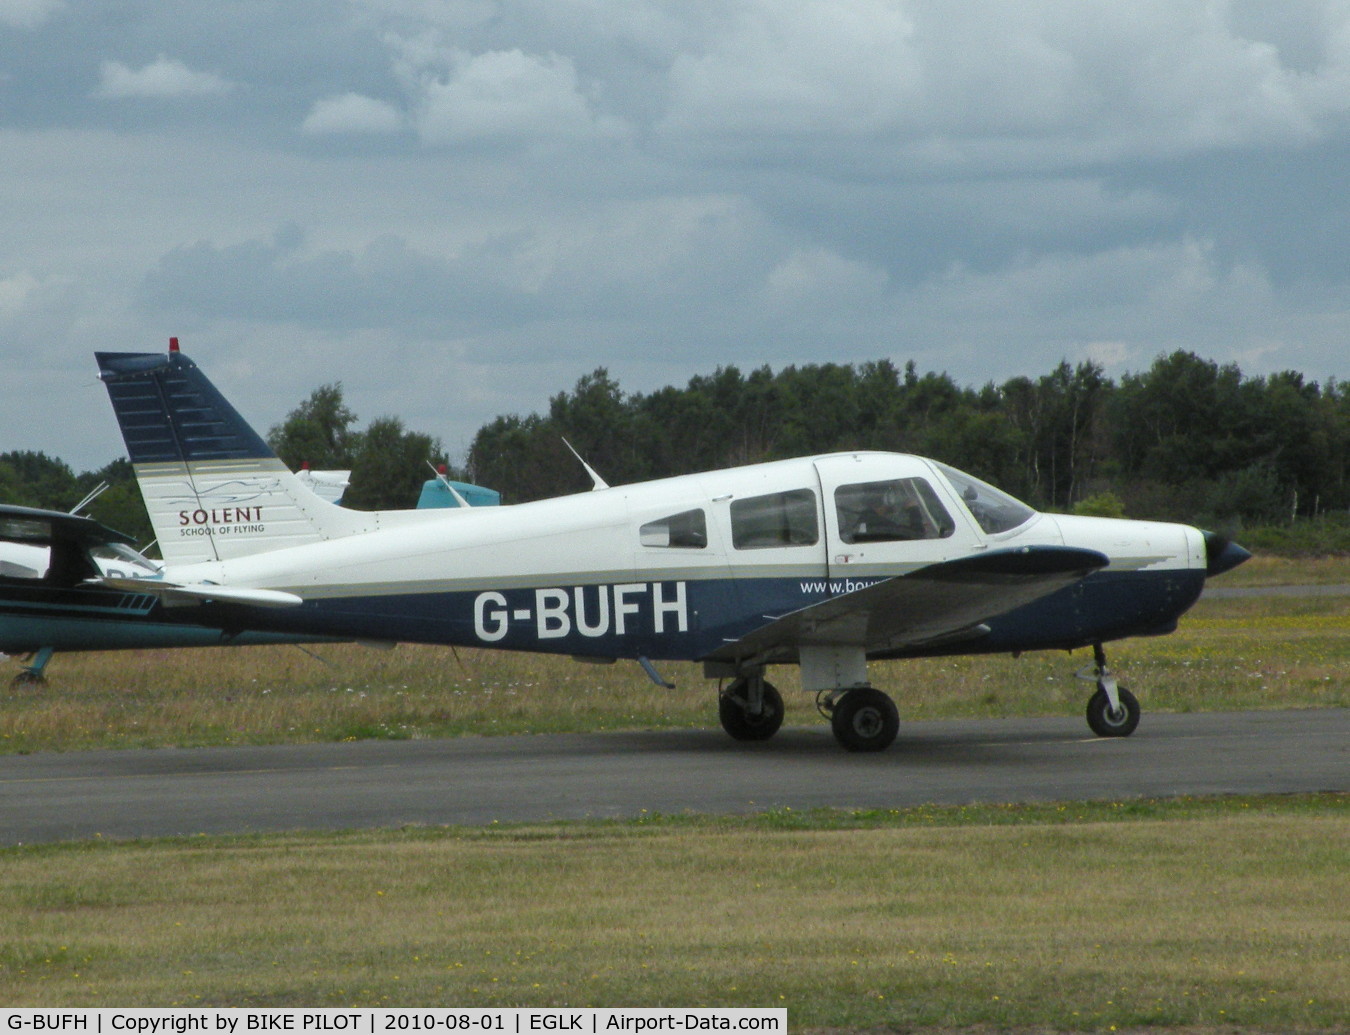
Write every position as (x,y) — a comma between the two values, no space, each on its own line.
(1112,711)
(1106,721)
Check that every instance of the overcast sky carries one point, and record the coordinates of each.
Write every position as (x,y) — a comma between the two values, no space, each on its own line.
(458,208)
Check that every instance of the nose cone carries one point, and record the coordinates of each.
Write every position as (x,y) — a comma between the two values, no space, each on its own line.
(1222,554)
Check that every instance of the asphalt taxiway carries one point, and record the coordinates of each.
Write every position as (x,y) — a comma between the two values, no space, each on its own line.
(476,780)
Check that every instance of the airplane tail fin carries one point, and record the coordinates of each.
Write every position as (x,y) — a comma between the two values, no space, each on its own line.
(213,487)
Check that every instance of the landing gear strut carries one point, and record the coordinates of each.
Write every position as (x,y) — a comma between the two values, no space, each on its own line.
(34,673)
(751,708)
(1112,711)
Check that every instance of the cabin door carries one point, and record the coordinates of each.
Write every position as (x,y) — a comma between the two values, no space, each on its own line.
(885,514)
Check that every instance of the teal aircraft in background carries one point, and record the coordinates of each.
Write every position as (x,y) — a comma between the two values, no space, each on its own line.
(51,599)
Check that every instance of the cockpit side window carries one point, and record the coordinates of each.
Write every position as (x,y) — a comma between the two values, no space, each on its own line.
(887,511)
(777,519)
(993,509)
(687,530)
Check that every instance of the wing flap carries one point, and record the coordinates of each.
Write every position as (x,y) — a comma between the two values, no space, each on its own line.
(941,601)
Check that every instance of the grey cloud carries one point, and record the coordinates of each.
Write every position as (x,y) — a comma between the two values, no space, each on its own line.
(352,113)
(528,188)
(386,284)
(162,79)
(27,14)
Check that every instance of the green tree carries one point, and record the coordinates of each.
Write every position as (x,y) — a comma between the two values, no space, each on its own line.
(32,479)
(598,421)
(390,466)
(318,432)
(1101,504)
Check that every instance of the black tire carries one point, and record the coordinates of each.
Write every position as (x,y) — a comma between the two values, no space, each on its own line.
(740,724)
(1105,723)
(27,678)
(865,719)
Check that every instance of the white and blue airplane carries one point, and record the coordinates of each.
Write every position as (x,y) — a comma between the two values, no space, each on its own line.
(827,562)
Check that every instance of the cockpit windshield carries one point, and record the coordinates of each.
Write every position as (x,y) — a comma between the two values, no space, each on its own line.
(993,509)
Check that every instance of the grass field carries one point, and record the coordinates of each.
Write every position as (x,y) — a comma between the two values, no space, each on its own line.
(1269,570)
(1191,914)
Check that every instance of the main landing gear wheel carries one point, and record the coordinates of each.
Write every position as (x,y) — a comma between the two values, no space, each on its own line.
(734,709)
(1105,721)
(865,719)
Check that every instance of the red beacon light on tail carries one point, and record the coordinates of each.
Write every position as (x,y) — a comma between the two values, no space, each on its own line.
(173,344)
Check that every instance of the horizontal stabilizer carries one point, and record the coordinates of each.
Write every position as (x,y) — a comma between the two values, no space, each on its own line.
(173,594)
(950,599)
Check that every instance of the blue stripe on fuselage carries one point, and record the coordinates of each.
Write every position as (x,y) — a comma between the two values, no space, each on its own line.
(690,619)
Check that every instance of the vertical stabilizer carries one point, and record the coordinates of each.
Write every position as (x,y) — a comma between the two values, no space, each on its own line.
(214,489)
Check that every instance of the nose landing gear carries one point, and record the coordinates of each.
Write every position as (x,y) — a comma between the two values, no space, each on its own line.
(1112,711)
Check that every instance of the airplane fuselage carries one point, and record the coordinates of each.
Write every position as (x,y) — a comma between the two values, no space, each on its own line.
(676,568)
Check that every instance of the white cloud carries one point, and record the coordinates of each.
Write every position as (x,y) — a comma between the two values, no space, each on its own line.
(868,85)
(832,66)
(814,278)
(27,14)
(15,291)
(499,96)
(1111,355)
(352,113)
(162,78)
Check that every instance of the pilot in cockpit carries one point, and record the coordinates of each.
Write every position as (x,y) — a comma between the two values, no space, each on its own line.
(885,515)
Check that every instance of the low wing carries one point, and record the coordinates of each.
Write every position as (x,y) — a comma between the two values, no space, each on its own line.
(933,603)
(175,594)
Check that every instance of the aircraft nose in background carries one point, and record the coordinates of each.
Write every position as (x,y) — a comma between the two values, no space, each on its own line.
(1222,554)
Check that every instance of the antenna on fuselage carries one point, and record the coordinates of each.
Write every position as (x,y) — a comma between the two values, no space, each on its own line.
(597,483)
(440,477)
(102,488)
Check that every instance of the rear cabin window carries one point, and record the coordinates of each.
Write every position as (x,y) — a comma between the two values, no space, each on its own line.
(778,519)
(899,509)
(687,530)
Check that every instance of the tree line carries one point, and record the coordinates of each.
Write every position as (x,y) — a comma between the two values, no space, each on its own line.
(1188,439)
